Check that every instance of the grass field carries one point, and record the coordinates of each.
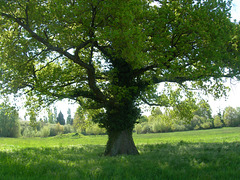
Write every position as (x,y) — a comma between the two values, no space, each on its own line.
(205,154)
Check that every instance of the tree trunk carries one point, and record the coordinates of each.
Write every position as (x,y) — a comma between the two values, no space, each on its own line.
(120,143)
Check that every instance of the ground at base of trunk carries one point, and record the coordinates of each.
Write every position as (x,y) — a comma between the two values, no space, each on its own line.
(120,143)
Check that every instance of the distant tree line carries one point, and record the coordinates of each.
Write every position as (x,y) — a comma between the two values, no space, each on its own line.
(202,118)
(167,120)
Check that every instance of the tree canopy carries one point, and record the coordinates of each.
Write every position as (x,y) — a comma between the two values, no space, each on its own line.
(114,54)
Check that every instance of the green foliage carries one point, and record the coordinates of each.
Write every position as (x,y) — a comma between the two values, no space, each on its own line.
(59,128)
(163,124)
(143,119)
(206,125)
(9,121)
(45,131)
(231,117)
(138,128)
(81,119)
(69,117)
(29,132)
(33,119)
(217,121)
(156,111)
(94,130)
(53,130)
(50,116)
(68,129)
(203,110)
(171,120)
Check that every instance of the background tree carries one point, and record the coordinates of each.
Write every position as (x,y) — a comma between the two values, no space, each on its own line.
(45,119)
(33,119)
(230,117)
(113,54)
(60,118)
(50,116)
(55,114)
(156,111)
(202,118)
(9,121)
(84,119)
(204,110)
(69,117)
(217,121)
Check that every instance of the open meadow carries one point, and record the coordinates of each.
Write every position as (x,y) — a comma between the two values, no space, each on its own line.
(203,154)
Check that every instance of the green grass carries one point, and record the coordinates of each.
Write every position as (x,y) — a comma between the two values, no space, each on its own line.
(205,154)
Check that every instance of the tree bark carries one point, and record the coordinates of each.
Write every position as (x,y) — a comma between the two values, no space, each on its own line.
(120,143)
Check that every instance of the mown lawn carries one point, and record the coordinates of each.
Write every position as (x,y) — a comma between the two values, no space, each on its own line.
(205,154)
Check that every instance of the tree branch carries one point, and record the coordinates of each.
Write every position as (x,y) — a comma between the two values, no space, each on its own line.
(26,12)
(150,104)
(48,63)
(76,59)
(141,71)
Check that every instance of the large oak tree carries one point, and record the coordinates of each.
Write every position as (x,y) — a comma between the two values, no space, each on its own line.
(112,54)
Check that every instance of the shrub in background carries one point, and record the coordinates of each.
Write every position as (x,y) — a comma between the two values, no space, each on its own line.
(231,117)
(206,125)
(146,128)
(9,121)
(217,122)
(45,131)
(95,130)
(138,128)
(29,132)
(178,127)
(68,129)
(53,131)
(59,128)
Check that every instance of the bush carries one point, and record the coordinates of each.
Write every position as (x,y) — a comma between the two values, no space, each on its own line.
(157,127)
(45,131)
(146,128)
(9,121)
(53,131)
(217,122)
(95,130)
(23,125)
(68,129)
(59,128)
(177,127)
(197,127)
(29,132)
(231,117)
(206,125)
(138,128)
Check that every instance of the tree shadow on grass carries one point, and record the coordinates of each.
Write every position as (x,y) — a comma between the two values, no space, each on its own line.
(160,161)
